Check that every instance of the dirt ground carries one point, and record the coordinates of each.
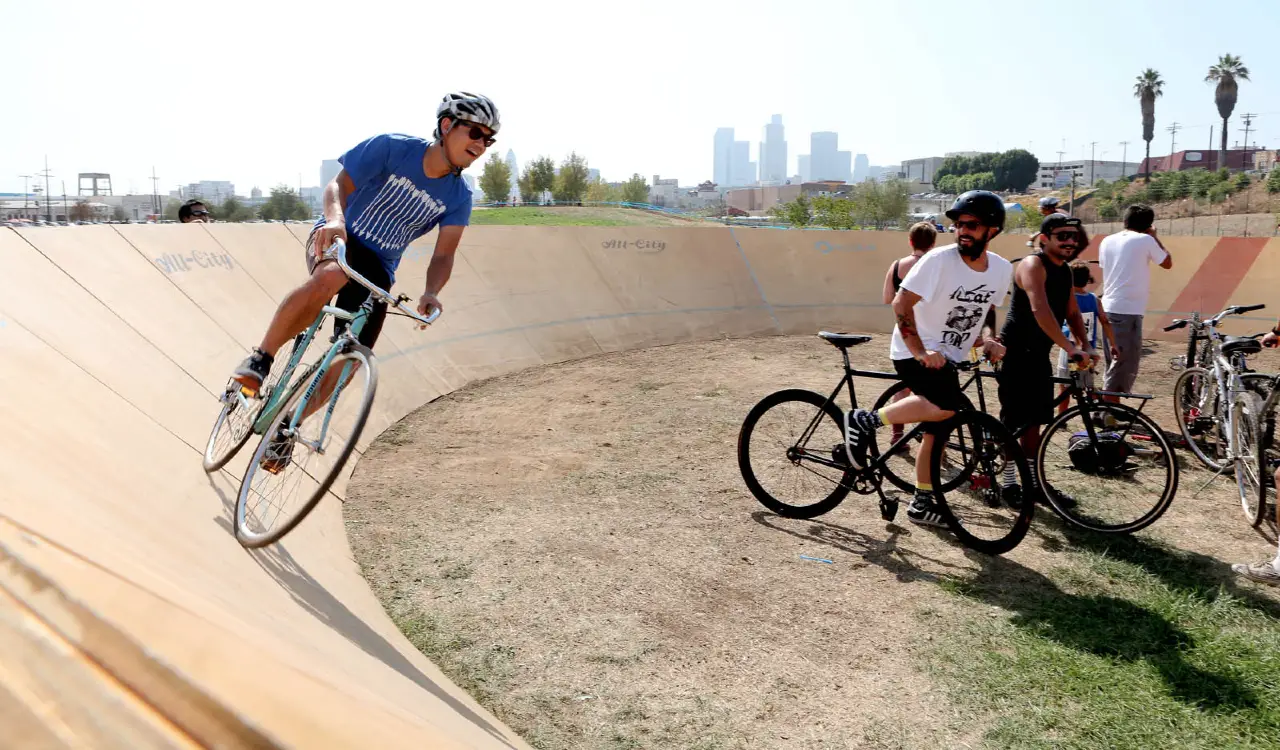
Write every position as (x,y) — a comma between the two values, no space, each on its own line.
(574,545)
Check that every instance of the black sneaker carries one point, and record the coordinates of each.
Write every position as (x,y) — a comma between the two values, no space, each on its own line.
(924,511)
(278,454)
(253,371)
(856,439)
(1011,494)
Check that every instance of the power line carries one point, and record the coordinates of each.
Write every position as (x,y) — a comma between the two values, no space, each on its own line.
(1173,129)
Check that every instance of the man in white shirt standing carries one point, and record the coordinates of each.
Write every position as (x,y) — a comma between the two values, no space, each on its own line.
(1126,283)
(947,298)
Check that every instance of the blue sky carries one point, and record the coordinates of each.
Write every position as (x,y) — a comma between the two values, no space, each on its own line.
(257,93)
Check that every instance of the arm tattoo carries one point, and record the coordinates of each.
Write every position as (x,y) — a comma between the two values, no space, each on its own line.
(907,324)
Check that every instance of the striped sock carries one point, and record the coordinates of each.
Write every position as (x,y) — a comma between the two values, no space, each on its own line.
(1010,475)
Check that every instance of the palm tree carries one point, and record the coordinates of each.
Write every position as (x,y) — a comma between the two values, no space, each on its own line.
(1146,89)
(1226,72)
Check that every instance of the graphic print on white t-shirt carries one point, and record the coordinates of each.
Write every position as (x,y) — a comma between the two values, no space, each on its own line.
(954,300)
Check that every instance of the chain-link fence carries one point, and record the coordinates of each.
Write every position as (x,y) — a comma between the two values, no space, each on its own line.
(1210,225)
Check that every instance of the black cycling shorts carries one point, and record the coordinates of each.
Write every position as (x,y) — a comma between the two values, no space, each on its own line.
(1025,388)
(364,262)
(940,387)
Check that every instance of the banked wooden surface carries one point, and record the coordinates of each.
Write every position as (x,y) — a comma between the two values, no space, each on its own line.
(130,617)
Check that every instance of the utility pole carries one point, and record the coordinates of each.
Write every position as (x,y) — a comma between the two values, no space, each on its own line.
(1124,159)
(155,194)
(48,207)
(1173,129)
(26,189)
(1093,147)
(1248,120)
(65,211)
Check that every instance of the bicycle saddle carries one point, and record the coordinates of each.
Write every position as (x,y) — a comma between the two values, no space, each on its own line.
(1241,345)
(843,340)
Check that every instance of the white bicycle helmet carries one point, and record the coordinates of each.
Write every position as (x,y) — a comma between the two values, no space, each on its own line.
(463,105)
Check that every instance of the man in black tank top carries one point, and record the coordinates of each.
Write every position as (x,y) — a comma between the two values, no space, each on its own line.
(1042,299)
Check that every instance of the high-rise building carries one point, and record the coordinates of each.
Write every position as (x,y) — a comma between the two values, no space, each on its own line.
(742,171)
(329,168)
(861,165)
(211,190)
(826,162)
(514,166)
(723,156)
(773,153)
(805,167)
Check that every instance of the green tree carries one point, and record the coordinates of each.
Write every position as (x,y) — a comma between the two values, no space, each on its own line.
(232,209)
(1273,181)
(528,193)
(831,211)
(542,176)
(1242,181)
(283,205)
(947,184)
(495,180)
(1225,73)
(797,212)
(1015,169)
(635,190)
(1108,211)
(597,191)
(571,184)
(1147,88)
(1218,193)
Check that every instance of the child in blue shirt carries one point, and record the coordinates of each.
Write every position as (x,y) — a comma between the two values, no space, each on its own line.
(1094,316)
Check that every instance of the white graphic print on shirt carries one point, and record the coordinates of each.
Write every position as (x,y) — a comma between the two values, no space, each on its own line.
(397,212)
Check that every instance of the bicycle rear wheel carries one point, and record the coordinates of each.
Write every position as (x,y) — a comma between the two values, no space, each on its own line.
(976,510)
(1195,405)
(790,453)
(1120,484)
(900,469)
(277,491)
(234,424)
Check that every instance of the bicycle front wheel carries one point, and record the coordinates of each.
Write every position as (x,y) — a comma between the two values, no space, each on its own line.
(791,454)
(1119,484)
(1195,406)
(1249,455)
(298,460)
(977,510)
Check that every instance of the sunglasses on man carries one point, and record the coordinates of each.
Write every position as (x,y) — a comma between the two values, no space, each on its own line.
(1067,234)
(476,133)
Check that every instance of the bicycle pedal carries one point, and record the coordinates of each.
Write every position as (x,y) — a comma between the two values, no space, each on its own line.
(888,509)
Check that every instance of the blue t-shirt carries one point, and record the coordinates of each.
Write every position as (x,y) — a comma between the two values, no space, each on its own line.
(394,202)
(1088,304)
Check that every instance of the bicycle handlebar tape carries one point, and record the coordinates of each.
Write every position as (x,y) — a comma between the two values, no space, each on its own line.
(1248,308)
(1176,325)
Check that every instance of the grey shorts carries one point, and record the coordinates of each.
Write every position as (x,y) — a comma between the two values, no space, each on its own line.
(1063,371)
(1124,369)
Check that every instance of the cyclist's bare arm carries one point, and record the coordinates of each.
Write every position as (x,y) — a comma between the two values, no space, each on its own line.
(1030,276)
(335,205)
(441,267)
(904,310)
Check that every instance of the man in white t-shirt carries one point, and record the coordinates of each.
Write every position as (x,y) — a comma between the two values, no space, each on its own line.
(1125,258)
(947,298)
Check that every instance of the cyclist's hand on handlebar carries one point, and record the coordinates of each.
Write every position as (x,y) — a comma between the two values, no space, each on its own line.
(1082,358)
(428,304)
(327,234)
(1271,340)
(932,360)
(993,350)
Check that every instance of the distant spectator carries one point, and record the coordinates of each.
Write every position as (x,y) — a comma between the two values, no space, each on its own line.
(194,211)
(922,237)
(1126,284)
(1048,207)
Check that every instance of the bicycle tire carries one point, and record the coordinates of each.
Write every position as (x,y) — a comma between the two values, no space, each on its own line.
(1179,385)
(908,483)
(1246,446)
(995,445)
(763,496)
(368,366)
(215,458)
(1134,417)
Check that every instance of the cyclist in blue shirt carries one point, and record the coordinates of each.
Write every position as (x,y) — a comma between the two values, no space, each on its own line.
(392,189)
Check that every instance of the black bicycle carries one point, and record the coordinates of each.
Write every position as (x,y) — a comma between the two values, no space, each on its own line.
(791,452)
(1104,466)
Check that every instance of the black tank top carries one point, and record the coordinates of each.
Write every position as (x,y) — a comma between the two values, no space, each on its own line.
(1020,328)
(897,280)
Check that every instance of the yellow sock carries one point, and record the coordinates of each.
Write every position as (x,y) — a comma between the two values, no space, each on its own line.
(924,486)
(880,414)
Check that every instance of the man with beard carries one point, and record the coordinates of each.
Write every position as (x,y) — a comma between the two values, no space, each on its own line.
(939,306)
(1042,299)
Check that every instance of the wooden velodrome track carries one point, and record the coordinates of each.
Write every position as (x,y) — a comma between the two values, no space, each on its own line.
(130,617)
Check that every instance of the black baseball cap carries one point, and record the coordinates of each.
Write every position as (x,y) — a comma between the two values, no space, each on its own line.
(1057,221)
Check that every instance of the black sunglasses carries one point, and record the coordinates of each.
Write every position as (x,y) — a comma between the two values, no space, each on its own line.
(200,212)
(477,134)
(970,224)
(1068,234)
